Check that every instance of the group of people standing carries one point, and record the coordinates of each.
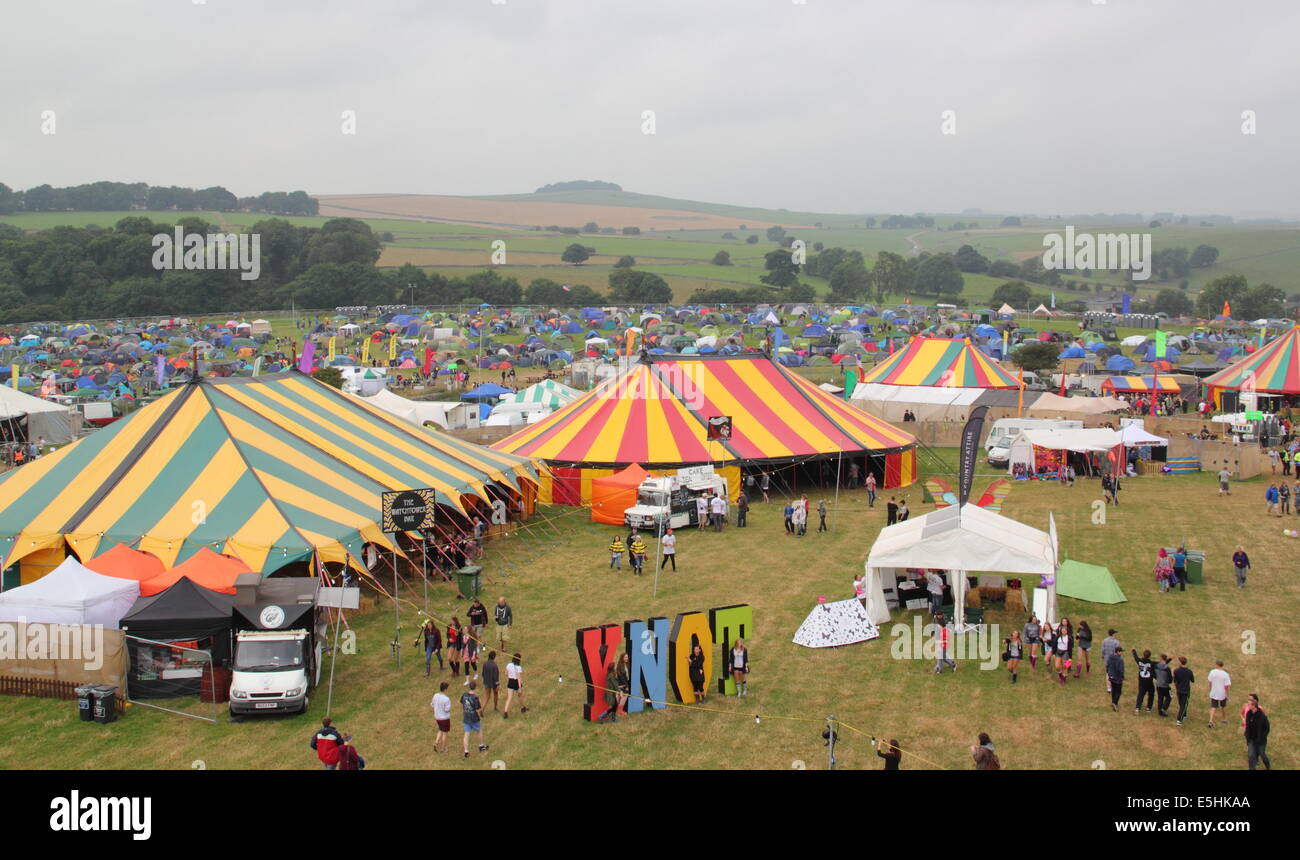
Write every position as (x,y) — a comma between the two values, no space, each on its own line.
(1063,648)
(618,678)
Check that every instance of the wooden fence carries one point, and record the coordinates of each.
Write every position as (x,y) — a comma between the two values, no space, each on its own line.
(46,688)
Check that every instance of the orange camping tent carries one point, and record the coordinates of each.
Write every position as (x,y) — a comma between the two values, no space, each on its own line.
(614,494)
(126,563)
(205,568)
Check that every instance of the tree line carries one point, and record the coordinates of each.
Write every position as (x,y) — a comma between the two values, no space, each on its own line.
(125,196)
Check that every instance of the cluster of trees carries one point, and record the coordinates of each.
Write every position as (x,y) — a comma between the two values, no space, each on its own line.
(95,272)
(579,185)
(589,227)
(896,222)
(1248,303)
(124,196)
(851,279)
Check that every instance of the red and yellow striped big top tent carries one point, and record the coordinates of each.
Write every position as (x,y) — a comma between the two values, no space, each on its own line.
(655,413)
(941,361)
(1274,369)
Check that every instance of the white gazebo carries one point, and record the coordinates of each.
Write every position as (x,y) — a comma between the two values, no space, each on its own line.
(960,541)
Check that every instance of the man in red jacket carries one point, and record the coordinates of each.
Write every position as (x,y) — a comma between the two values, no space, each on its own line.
(326,742)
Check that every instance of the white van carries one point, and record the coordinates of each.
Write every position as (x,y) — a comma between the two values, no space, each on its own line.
(998,444)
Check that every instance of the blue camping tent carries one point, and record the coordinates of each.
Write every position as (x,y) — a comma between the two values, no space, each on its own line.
(1074,351)
(486,391)
(1120,363)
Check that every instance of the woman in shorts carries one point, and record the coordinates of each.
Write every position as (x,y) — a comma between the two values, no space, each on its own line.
(740,667)
(1049,644)
(1083,642)
(1014,649)
(514,684)
(1064,639)
(470,655)
(454,645)
(1033,639)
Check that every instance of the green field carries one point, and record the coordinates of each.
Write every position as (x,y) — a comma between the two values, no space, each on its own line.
(554,572)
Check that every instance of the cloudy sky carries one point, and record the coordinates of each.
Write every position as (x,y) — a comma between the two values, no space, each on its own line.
(1061,106)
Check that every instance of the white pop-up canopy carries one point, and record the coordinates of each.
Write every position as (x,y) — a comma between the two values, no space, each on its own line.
(1135,436)
(959,540)
(71,594)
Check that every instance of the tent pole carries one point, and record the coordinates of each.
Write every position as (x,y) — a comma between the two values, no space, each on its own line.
(334,653)
(838,463)
(659,545)
(397,610)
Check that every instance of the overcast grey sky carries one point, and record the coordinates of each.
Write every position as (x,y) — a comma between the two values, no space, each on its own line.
(1062,106)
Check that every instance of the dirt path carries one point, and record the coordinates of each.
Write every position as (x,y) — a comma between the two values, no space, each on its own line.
(917,247)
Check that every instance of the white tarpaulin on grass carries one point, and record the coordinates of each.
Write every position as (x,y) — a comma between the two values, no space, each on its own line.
(830,625)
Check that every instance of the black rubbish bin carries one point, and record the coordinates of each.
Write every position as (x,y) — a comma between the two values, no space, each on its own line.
(86,702)
(105,703)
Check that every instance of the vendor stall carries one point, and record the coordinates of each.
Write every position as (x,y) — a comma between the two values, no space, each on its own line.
(169,637)
(1041,453)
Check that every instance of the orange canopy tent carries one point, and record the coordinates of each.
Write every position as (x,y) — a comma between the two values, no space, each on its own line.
(205,568)
(614,494)
(126,563)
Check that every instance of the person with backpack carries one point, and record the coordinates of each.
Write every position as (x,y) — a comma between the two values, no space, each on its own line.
(985,757)
(472,717)
(1115,677)
(326,743)
(349,758)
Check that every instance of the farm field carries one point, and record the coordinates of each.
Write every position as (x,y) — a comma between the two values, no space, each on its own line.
(554,573)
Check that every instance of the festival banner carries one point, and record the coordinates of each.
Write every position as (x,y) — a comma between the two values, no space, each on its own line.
(333,344)
(970,445)
(392,348)
(308,355)
(365,350)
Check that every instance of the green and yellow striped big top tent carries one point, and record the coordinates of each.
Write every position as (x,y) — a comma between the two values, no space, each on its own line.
(941,361)
(1274,369)
(269,469)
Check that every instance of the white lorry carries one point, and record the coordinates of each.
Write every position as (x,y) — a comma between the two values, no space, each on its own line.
(279,636)
(670,502)
(998,444)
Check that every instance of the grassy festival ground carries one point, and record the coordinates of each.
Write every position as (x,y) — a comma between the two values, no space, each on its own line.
(554,574)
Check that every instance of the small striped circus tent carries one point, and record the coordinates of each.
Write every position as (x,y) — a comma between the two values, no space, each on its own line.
(1140,384)
(547,394)
(1273,369)
(269,469)
(942,362)
(655,414)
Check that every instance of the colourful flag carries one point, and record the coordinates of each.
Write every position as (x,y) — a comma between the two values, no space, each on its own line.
(1227,309)
(1161,344)
(160,370)
(365,350)
(428,361)
(308,354)
(13,374)
(1128,303)
(333,342)
(392,348)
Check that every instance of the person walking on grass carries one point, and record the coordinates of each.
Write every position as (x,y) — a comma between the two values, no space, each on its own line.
(701,512)
(789,517)
(1164,570)
(1033,636)
(1256,733)
(871,489)
(638,549)
(1272,496)
(1164,677)
(1224,477)
(934,587)
(1109,646)
(1220,682)
(742,510)
(696,663)
(469,656)
(1146,680)
(1049,644)
(668,546)
(326,743)
(1013,649)
(1241,564)
(432,641)
(477,617)
(514,684)
(1115,677)
(472,718)
(765,484)
(891,512)
(1183,680)
(799,516)
(454,645)
(491,680)
(821,515)
(1064,643)
(441,705)
(505,618)
(1284,498)
(1083,644)
(616,550)
(942,645)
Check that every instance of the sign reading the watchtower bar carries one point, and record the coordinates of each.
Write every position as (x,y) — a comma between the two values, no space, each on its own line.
(407,510)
